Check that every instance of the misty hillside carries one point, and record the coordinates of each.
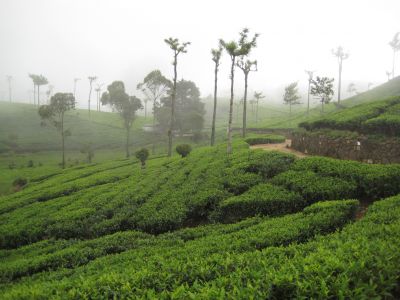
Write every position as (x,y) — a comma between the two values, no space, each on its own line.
(22,123)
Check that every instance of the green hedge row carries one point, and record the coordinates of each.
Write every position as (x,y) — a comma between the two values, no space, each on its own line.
(262,199)
(159,268)
(265,139)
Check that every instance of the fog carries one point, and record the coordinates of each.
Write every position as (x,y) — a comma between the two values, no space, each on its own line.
(123,40)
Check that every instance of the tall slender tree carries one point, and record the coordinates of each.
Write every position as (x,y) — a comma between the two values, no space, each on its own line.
(395,45)
(341,55)
(34,80)
(388,74)
(242,47)
(246,66)
(291,96)
(177,49)
(53,113)
(216,58)
(98,90)
(310,78)
(9,80)
(40,80)
(322,88)
(75,82)
(91,80)
(258,96)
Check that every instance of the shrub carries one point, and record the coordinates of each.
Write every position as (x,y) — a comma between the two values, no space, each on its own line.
(183,149)
(142,155)
(262,199)
(266,139)
(19,183)
(314,187)
(30,164)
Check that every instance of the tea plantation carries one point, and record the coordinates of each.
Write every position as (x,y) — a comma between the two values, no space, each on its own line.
(252,225)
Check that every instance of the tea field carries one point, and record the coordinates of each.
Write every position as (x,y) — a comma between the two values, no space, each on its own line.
(252,225)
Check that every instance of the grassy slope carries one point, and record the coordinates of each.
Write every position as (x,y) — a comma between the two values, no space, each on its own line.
(281,118)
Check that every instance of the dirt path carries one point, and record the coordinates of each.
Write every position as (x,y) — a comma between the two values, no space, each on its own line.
(283,147)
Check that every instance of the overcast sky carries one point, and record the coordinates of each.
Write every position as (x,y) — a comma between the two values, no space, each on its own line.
(123,40)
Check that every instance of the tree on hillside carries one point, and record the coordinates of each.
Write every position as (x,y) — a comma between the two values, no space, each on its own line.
(258,96)
(125,105)
(154,87)
(34,79)
(242,47)
(98,90)
(246,66)
(351,88)
(341,55)
(291,96)
(40,80)
(216,57)
(310,78)
(142,155)
(189,110)
(89,151)
(9,80)
(177,48)
(91,80)
(395,45)
(388,74)
(322,88)
(53,114)
(75,82)
(49,92)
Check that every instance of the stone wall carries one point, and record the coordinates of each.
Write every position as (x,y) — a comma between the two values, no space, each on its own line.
(361,148)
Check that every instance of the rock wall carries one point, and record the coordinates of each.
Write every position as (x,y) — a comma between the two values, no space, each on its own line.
(361,148)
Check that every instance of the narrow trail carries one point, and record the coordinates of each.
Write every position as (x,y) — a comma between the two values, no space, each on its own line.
(283,147)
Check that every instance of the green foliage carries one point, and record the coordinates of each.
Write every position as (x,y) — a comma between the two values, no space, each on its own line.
(20,182)
(322,87)
(380,117)
(142,155)
(262,199)
(291,96)
(265,139)
(313,187)
(183,149)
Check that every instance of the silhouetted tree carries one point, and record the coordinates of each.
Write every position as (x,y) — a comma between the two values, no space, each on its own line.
(9,79)
(183,150)
(388,73)
(395,45)
(53,113)
(34,79)
(75,82)
(124,104)
(49,92)
(246,66)
(91,79)
(322,88)
(258,96)
(177,48)
(351,88)
(142,155)
(310,78)
(98,94)
(216,57)
(89,151)
(291,96)
(154,86)
(40,80)
(341,55)
(189,110)
(234,49)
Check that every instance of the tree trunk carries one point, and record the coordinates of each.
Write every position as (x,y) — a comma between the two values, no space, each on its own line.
(245,105)
(394,57)
(171,126)
(34,94)
(63,140)
(257,112)
(215,105)
(229,145)
(308,98)
(128,131)
(90,94)
(153,148)
(38,94)
(340,79)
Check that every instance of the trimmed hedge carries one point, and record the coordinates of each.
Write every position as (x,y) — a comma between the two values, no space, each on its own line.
(313,187)
(262,199)
(265,139)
